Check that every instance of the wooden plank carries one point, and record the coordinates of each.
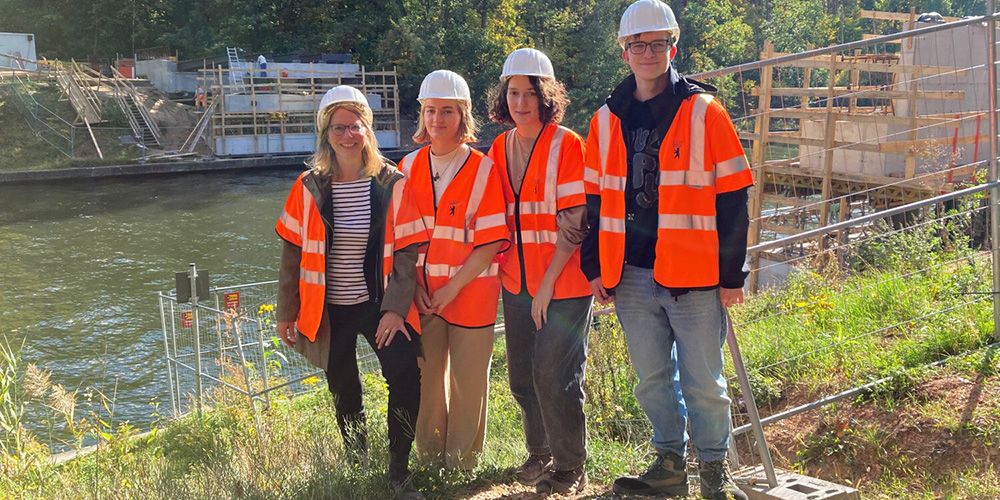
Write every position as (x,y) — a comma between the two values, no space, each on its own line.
(865,92)
(901,147)
(787,138)
(779,228)
(782,200)
(869,36)
(818,114)
(865,64)
(829,137)
(762,125)
(895,16)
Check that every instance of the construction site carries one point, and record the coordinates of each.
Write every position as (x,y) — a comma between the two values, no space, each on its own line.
(863,360)
(184,110)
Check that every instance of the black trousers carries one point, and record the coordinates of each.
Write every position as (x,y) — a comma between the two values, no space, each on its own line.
(399,367)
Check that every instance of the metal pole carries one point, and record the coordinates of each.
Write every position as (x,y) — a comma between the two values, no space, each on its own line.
(991,58)
(166,352)
(173,342)
(263,356)
(193,275)
(758,429)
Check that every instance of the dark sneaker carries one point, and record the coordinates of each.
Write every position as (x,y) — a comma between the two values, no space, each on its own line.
(403,489)
(667,475)
(534,469)
(717,483)
(563,482)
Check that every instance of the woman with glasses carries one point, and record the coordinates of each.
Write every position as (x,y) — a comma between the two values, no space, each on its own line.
(337,276)
(546,298)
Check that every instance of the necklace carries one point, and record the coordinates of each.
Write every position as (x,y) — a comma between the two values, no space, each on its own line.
(446,163)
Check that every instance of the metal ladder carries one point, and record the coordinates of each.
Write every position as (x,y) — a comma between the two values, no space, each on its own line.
(236,69)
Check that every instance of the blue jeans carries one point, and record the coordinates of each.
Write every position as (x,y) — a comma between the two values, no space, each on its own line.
(673,340)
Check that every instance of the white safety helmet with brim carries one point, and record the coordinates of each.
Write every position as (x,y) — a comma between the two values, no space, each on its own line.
(444,84)
(340,93)
(645,16)
(527,62)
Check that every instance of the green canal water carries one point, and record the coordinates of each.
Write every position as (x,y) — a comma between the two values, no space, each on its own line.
(81,262)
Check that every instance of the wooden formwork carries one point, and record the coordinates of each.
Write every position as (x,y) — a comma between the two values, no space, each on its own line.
(283,105)
(858,90)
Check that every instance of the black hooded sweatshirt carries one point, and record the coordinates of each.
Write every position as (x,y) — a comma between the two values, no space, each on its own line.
(644,125)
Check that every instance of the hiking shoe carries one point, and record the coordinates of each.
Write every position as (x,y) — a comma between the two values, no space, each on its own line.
(717,482)
(534,469)
(403,489)
(563,482)
(667,475)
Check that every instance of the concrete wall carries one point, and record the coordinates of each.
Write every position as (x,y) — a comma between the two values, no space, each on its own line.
(303,70)
(242,145)
(18,45)
(164,76)
(266,103)
(959,48)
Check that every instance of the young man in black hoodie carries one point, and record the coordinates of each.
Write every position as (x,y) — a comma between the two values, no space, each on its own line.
(667,183)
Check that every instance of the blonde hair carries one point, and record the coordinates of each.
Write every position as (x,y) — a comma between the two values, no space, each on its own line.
(324,160)
(466,129)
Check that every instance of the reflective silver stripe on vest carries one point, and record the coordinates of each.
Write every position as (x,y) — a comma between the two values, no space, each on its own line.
(421,258)
(613,182)
(570,189)
(307,202)
(491,221)
(409,229)
(446,271)
(429,222)
(590,175)
(539,236)
(387,250)
(612,225)
(314,246)
(732,166)
(687,221)
(604,138)
(450,233)
(478,188)
(312,277)
(538,208)
(407,162)
(290,222)
(552,164)
(696,162)
(686,178)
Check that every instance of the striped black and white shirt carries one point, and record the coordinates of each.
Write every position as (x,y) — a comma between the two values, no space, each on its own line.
(345,263)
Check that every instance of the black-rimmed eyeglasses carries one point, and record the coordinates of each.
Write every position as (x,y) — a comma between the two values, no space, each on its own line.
(657,46)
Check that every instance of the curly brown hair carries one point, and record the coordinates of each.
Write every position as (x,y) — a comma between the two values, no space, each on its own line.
(552,100)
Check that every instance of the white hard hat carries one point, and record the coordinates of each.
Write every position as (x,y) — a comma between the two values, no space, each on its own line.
(527,62)
(444,84)
(647,15)
(340,93)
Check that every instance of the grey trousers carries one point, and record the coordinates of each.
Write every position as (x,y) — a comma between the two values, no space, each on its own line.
(546,370)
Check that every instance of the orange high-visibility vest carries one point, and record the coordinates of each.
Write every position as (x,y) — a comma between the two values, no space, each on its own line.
(552,182)
(700,156)
(302,225)
(469,214)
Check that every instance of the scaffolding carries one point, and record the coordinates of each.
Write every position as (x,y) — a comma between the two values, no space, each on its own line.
(275,113)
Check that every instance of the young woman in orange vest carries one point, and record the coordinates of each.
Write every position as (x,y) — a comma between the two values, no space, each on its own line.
(667,182)
(453,192)
(339,253)
(546,298)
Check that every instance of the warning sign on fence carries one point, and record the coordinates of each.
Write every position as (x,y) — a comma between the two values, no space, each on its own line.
(232,300)
(187,319)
